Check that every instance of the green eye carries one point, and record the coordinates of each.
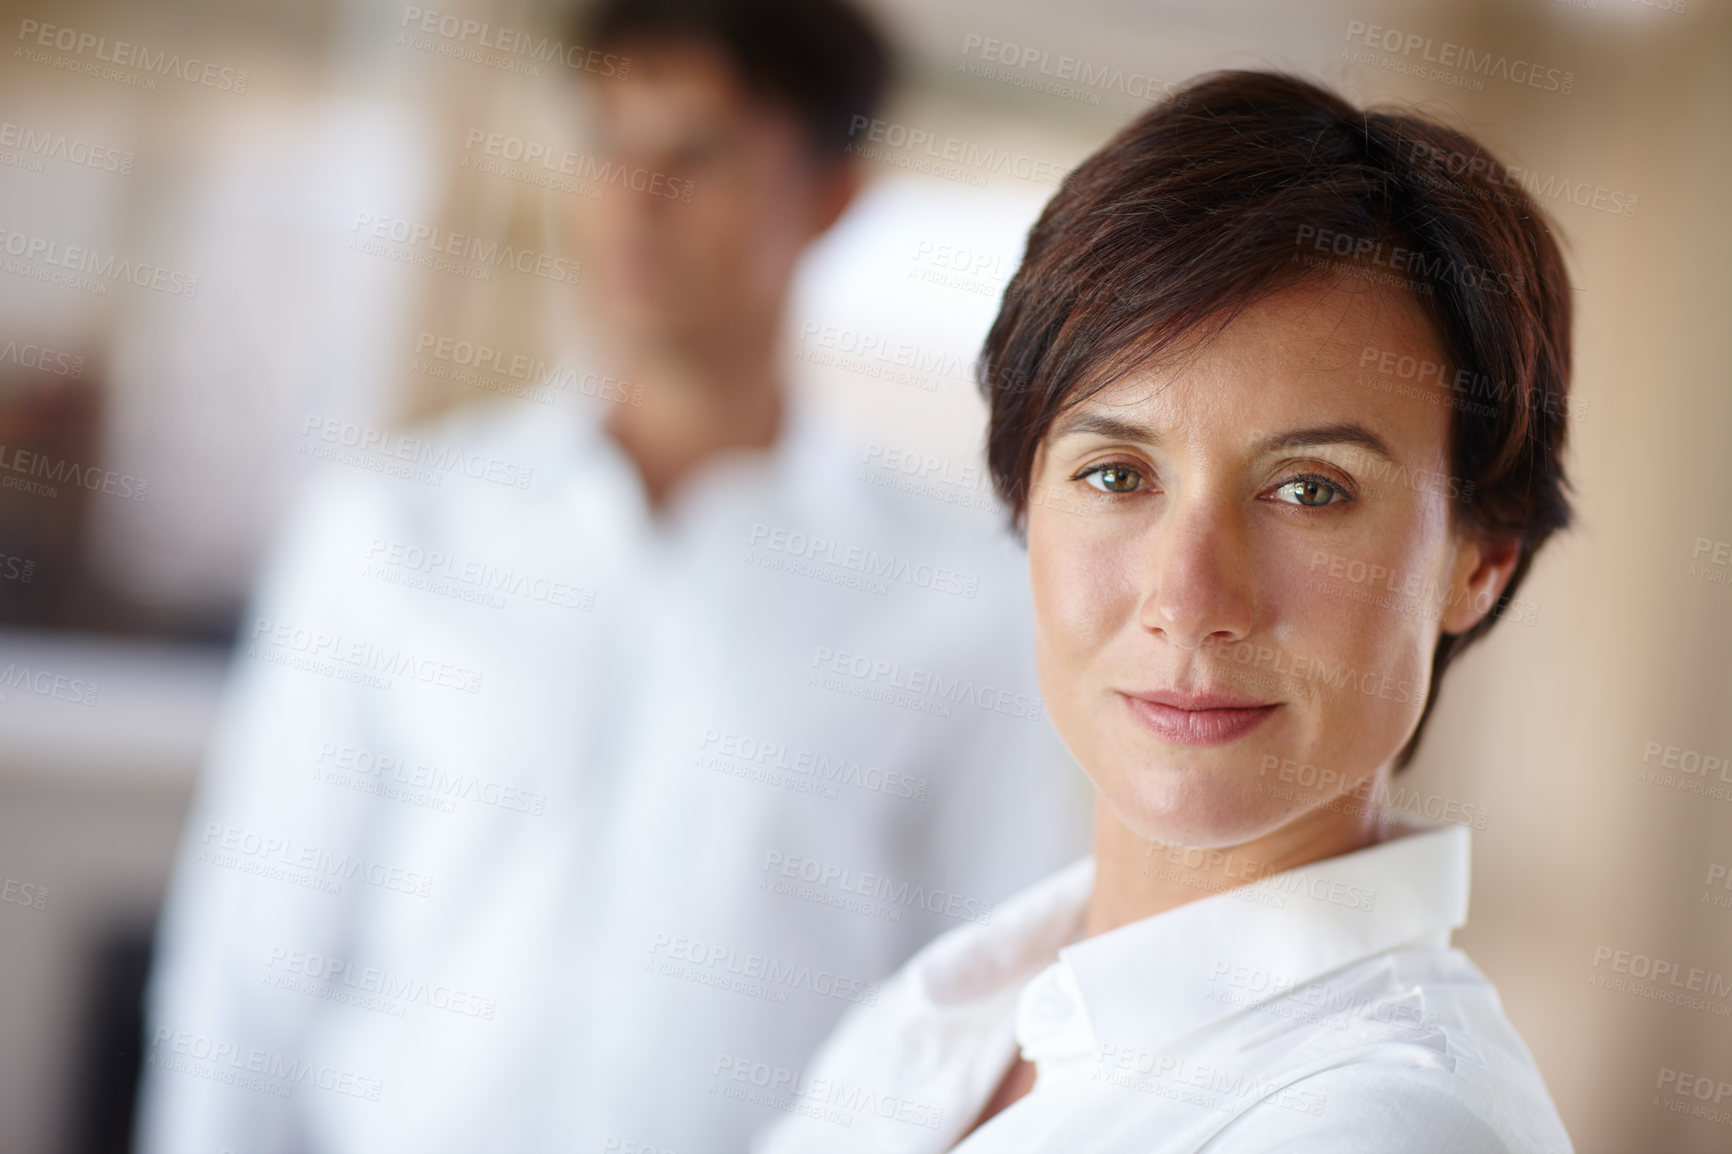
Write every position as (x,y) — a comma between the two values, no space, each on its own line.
(1113,478)
(1311,492)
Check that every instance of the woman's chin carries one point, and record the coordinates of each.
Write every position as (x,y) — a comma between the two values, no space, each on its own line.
(1218,811)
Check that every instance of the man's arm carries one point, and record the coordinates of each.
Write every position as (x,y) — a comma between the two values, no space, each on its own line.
(225,1042)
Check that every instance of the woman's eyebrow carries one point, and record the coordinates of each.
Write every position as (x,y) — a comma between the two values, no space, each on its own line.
(1343,433)
(1105,426)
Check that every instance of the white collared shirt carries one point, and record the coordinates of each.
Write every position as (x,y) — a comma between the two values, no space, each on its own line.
(530,807)
(1317,1010)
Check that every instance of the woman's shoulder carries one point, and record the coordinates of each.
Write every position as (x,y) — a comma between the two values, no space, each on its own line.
(1410,1050)
(1373,1103)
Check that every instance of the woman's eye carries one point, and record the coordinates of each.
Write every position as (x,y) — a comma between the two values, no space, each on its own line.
(1114,478)
(1311,492)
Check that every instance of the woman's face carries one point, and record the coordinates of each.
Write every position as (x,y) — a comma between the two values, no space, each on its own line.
(1241,566)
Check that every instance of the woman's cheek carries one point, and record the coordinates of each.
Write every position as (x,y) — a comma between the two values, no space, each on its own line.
(1082,588)
(1297,614)
(1376,657)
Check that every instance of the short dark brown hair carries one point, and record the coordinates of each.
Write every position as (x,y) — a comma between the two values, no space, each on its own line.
(822,60)
(1242,184)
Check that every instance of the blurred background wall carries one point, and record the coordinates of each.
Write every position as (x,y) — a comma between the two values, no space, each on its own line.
(153,412)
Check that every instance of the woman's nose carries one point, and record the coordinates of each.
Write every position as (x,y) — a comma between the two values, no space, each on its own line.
(1197,584)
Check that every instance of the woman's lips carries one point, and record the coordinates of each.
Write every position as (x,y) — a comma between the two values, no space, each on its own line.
(1196,720)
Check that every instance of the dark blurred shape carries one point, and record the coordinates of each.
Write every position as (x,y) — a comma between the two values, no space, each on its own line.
(52,470)
(820,59)
(48,439)
(105,1077)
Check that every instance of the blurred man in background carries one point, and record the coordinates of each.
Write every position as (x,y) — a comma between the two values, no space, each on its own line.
(569,807)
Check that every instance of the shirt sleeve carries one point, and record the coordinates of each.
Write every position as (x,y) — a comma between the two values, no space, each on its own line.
(225,1043)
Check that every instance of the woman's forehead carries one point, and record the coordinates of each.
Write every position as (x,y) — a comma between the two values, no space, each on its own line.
(1301,352)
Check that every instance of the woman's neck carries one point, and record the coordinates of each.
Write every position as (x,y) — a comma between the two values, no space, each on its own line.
(1137,877)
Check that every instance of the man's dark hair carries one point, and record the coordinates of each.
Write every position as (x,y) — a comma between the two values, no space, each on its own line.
(822,60)
(1242,184)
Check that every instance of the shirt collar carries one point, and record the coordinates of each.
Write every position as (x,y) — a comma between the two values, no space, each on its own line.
(806,462)
(1155,981)
(807,439)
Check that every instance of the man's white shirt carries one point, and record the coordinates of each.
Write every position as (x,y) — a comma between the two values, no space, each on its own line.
(1317,1011)
(534,814)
